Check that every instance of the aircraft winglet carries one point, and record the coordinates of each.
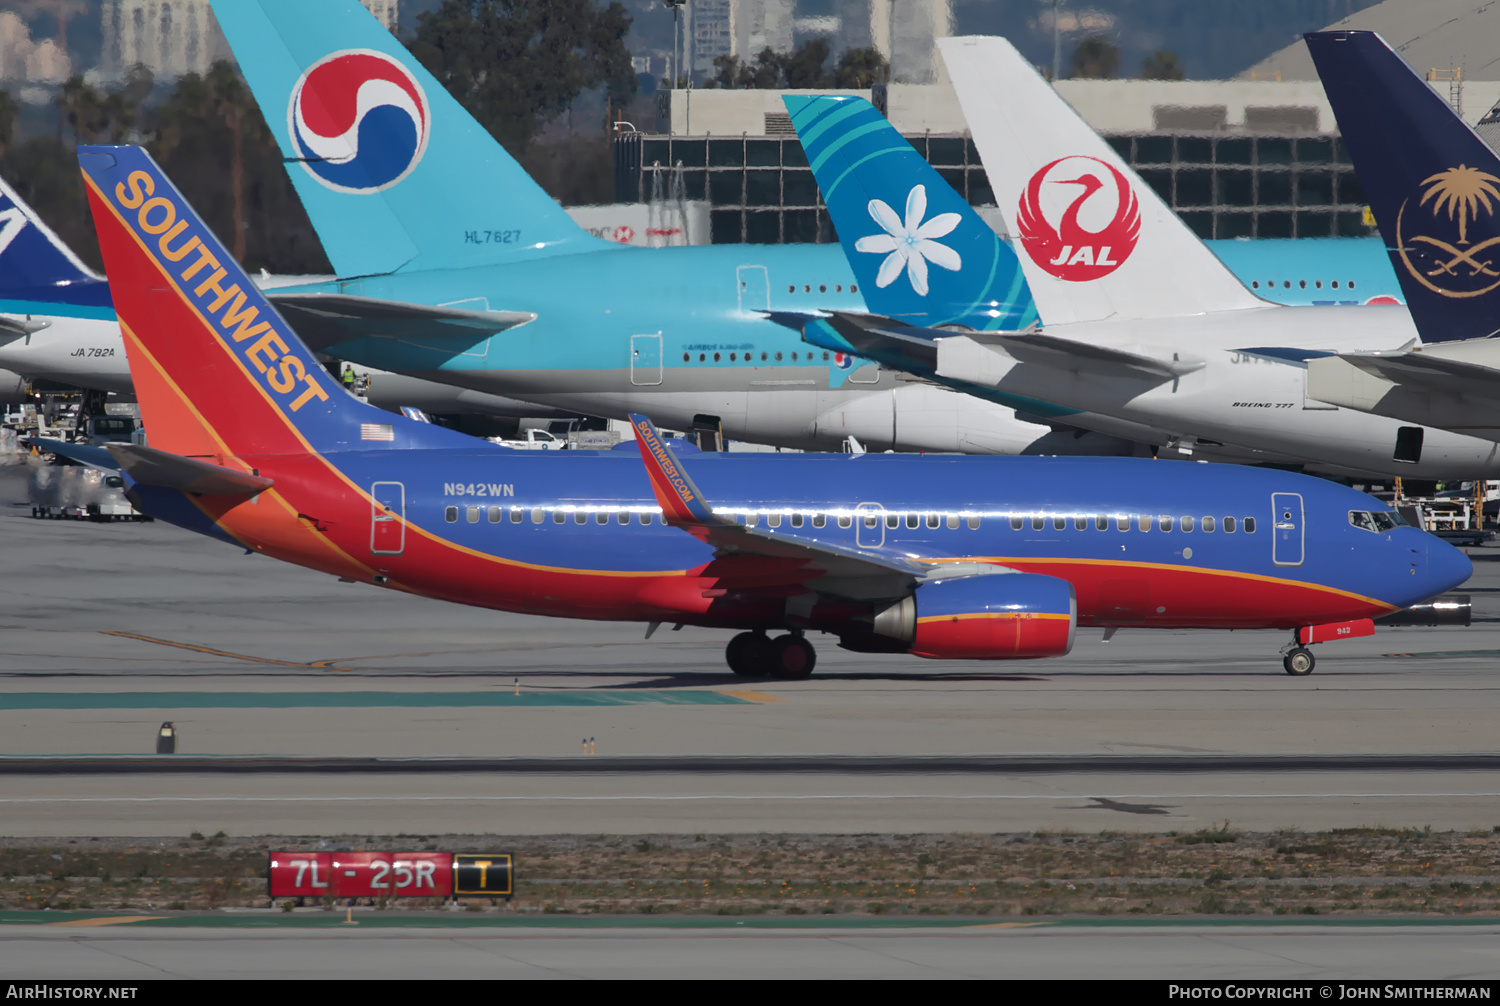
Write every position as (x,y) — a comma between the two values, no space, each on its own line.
(681,502)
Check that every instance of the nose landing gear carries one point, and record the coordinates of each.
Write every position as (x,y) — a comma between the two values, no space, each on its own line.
(755,655)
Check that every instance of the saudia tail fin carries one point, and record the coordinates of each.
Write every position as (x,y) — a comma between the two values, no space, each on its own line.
(217,371)
(391,169)
(39,274)
(1096,241)
(1433,185)
(920,251)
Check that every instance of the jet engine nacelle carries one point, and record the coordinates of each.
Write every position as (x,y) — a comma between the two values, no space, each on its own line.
(925,417)
(1002,616)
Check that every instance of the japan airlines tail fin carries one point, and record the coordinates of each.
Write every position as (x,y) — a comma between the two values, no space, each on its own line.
(217,371)
(391,169)
(1432,183)
(920,251)
(39,274)
(1097,242)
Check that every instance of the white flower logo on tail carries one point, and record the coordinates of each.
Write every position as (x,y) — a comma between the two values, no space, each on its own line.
(910,245)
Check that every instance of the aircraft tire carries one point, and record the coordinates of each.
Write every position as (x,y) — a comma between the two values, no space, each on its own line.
(749,655)
(792,658)
(1299,662)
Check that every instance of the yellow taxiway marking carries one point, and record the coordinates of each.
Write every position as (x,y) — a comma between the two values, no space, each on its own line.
(113,920)
(749,696)
(1007,925)
(222,653)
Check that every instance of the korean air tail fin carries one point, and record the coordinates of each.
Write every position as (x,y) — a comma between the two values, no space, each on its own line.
(1432,183)
(393,172)
(217,371)
(920,251)
(39,274)
(1096,241)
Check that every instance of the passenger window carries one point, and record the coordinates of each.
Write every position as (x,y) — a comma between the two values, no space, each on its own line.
(1016,522)
(558,517)
(845,520)
(1249,525)
(953,522)
(752,519)
(819,519)
(913,520)
(1144,523)
(892,520)
(515,515)
(473,514)
(871,521)
(1229,525)
(796,520)
(646,518)
(623,517)
(1164,523)
(1122,523)
(450,514)
(494,515)
(974,522)
(778,356)
(1208,525)
(1101,523)
(1059,523)
(853,288)
(1080,523)
(601,517)
(773,520)
(934,520)
(1184,523)
(1038,522)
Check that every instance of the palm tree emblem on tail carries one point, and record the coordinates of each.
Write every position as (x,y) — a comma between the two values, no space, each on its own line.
(1454,268)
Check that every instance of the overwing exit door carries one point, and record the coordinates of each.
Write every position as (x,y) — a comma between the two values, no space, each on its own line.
(1287,530)
(387,518)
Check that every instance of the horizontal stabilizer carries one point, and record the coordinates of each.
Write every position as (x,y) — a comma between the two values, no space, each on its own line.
(151,467)
(1067,354)
(83,454)
(327,319)
(13,326)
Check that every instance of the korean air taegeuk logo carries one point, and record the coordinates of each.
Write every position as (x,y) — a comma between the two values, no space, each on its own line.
(359,121)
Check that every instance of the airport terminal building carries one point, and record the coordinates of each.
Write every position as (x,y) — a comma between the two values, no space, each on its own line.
(1235,158)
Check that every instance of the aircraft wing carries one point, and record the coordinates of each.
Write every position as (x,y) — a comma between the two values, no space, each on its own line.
(327,319)
(1429,373)
(762,559)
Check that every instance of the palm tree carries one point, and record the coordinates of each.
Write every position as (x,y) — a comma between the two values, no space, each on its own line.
(1462,190)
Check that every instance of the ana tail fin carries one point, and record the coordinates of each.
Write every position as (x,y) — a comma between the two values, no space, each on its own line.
(1096,241)
(391,169)
(39,274)
(1433,185)
(920,251)
(217,371)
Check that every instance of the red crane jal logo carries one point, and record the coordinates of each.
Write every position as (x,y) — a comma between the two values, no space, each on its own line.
(1079,219)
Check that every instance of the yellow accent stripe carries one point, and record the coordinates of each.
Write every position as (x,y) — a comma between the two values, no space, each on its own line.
(750,696)
(112,920)
(326,664)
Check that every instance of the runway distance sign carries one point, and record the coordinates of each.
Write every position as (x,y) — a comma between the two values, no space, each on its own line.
(478,873)
(361,874)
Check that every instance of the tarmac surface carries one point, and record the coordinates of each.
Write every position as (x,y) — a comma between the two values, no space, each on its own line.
(289,682)
(1321,955)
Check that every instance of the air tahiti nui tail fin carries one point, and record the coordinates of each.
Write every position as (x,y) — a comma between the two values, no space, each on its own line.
(218,372)
(1432,183)
(920,251)
(392,171)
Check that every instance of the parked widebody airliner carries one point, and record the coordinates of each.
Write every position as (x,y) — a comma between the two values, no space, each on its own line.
(1141,323)
(1434,187)
(951,557)
(415,202)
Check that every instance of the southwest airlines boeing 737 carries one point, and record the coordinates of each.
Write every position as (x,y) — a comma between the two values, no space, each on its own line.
(953,557)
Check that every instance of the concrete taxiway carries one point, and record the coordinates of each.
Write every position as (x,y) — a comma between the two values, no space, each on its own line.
(107,630)
(1320,955)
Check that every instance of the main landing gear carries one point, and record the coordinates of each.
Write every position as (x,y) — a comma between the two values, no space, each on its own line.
(756,655)
(1299,661)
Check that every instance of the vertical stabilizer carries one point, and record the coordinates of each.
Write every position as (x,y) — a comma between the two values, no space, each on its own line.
(217,371)
(38,272)
(1096,241)
(391,169)
(1433,185)
(920,251)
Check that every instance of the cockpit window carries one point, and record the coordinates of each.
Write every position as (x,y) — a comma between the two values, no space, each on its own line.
(1377,522)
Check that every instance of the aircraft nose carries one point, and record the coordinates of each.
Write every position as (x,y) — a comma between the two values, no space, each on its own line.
(1447,567)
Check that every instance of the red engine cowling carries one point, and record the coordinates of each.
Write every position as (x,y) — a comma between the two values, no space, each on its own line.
(990,617)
